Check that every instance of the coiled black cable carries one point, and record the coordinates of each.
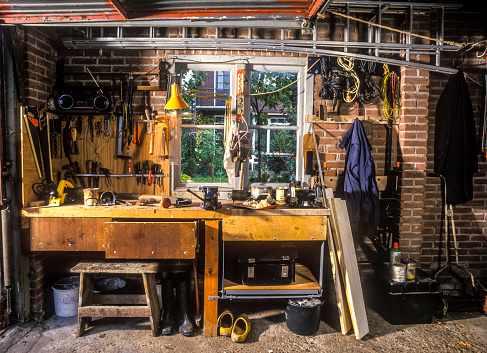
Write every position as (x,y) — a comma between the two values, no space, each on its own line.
(369,90)
(43,188)
(333,83)
(325,92)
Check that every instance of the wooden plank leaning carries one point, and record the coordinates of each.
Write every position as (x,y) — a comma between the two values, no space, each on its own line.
(342,304)
(352,278)
(347,261)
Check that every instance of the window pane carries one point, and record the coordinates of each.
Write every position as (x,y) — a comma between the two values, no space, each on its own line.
(208,82)
(202,156)
(277,157)
(202,149)
(273,150)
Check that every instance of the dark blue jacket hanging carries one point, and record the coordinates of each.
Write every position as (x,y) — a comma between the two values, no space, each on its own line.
(360,187)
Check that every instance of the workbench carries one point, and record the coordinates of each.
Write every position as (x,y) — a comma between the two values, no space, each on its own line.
(152,232)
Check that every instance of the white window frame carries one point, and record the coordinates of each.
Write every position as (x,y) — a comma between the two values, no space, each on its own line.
(232,64)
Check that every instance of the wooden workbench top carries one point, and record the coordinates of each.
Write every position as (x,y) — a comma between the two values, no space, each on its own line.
(156,211)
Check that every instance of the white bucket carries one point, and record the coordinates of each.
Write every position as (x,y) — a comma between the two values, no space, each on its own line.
(66,294)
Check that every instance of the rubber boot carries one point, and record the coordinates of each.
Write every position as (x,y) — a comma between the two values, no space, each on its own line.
(167,323)
(186,327)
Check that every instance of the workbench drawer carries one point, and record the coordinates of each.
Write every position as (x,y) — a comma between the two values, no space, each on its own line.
(278,228)
(151,240)
(67,234)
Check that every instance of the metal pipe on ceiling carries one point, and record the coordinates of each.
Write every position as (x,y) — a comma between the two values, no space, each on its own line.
(277,48)
(52,4)
(99,43)
(64,11)
(247,21)
(395,4)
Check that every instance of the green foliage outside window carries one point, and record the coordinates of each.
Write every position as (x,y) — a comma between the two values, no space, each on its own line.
(282,160)
(201,149)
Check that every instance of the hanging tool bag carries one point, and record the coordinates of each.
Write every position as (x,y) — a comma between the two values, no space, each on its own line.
(267,267)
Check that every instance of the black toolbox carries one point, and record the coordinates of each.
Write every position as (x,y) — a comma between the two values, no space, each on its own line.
(410,302)
(267,266)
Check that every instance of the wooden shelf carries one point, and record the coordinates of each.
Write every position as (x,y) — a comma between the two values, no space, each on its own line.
(348,119)
(304,280)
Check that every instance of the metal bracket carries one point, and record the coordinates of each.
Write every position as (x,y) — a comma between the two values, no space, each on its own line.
(213,297)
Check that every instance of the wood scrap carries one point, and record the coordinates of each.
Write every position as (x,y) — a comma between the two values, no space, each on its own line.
(342,304)
(347,263)
(352,274)
(308,144)
(33,134)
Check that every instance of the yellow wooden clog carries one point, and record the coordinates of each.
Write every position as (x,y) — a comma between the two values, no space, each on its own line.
(241,328)
(225,322)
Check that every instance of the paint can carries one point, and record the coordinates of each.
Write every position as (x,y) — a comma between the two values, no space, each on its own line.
(90,196)
(256,191)
(399,272)
(281,194)
(410,269)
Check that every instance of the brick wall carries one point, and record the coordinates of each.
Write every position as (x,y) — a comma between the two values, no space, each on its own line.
(39,284)
(38,80)
(413,136)
(39,67)
(118,64)
(412,142)
(471,217)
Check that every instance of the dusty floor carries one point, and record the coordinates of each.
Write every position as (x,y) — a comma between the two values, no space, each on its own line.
(457,332)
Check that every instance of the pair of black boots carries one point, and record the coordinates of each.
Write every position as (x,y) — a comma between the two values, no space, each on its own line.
(172,312)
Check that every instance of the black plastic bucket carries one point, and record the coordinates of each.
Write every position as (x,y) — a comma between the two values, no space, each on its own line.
(303,316)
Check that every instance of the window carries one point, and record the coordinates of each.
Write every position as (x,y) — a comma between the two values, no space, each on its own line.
(275,121)
(274,124)
(202,140)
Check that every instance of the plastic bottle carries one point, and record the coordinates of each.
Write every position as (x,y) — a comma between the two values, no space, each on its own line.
(395,254)
(129,165)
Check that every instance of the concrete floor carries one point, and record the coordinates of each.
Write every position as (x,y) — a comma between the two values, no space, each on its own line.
(457,332)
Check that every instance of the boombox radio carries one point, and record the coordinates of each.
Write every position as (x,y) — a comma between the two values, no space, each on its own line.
(80,102)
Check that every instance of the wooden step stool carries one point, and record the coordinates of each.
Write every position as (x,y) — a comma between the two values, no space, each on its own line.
(109,305)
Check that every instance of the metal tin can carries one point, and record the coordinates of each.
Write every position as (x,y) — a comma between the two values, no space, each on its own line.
(91,196)
(410,269)
(399,272)
(281,194)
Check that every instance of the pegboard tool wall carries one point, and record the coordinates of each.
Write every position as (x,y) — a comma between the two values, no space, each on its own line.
(102,147)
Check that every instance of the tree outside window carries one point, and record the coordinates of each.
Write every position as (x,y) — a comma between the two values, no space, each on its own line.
(274,150)
(202,149)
